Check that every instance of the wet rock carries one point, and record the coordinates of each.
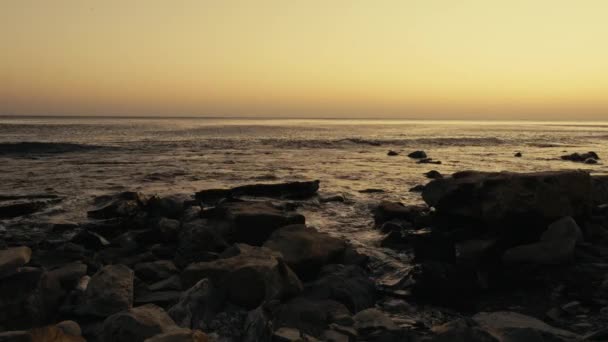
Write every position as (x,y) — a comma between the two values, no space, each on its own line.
(21,209)
(168,229)
(171,283)
(417,155)
(90,240)
(334,198)
(373,325)
(590,161)
(137,324)
(372,191)
(180,335)
(69,275)
(581,157)
(305,249)
(197,305)
(258,325)
(433,174)
(172,206)
(311,316)
(346,284)
(252,222)
(265,274)
(54,333)
(387,211)
(392,153)
(164,299)
(512,197)
(199,240)
(70,328)
(556,245)
(518,155)
(506,325)
(280,190)
(155,270)
(461,330)
(125,204)
(291,335)
(417,188)
(444,283)
(109,291)
(13,258)
(428,161)
(429,245)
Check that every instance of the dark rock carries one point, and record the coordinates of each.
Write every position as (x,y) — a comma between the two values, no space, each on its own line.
(137,324)
(155,270)
(280,190)
(417,188)
(581,157)
(21,209)
(198,305)
(252,222)
(518,154)
(265,274)
(429,245)
(444,283)
(70,328)
(346,284)
(125,204)
(13,258)
(590,161)
(311,316)
(372,319)
(69,275)
(512,326)
(433,174)
(172,206)
(461,330)
(600,190)
(372,191)
(512,197)
(387,211)
(199,240)
(109,291)
(171,283)
(305,249)
(392,153)
(90,240)
(291,335)
(180,335)
(428,161)
(417,155)
(334,198)
(16,336)
(258,325)
(168,229)
(164,299)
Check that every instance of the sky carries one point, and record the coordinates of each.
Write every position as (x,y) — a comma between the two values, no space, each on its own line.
(421,59)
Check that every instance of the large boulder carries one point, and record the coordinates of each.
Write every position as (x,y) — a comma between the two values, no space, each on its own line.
(305,249)
(556,245)
(13,258)
(137,324)
(251,222)
(197,306)
(279,190)
(512,326)
(199,240)
(250,275)
(125,204)
(109,291)
(514,197)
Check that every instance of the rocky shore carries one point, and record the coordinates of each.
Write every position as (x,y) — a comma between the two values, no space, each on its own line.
(494,257)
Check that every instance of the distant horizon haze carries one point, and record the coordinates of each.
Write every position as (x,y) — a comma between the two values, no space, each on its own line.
(387,59)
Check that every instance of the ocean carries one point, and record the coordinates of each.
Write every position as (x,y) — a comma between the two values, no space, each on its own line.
(79,158)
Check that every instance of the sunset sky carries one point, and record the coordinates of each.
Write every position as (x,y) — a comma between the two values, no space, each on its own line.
(431,59)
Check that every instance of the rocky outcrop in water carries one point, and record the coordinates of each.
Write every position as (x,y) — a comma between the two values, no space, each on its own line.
(282,190)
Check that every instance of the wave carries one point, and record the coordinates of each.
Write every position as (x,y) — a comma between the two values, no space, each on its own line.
(28,148)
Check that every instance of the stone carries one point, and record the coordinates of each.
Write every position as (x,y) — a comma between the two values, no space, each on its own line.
(198,240)
(511,197)
(332,198)
(346,284)
(518,154)
(285,334)
(461,330)
(252,222)
(581,157)
(197,305)
(433,174)
(417,155)
(304,249)
(69,275)
(171,206)
(417,188)
(17,291)
(279,190)
(54,333)
(373,319)
(180,335)
(13,210)
(572,308)
(507,324)
(109,291)
(137,324)
(13,258)
(310,316)
(428,161)
(387,211)
(16,336)
(172,283)
(155,270)
(70,328)
(168,229)
(125,204)
(90,240)
(392,153)
(250,277)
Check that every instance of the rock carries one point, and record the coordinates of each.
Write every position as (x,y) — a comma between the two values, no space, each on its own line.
(346,284)
(137,324)
(428,161)
(197,305)
(581,157)
(590,161)
(155,270)
(518,155)
(13,258)
(54,333)
(252,222)
(70,328)
(334,336)
(334,198)
(69,275)
(600,190)
(168,229)
(172,206)
(372,191)
(417,188)
(311,316)
(12,210)
(109,291)
(305,249)
(443,283)
(429,245)
(172,283)
(125,204)
(417,155)
(16,336)
(373,319)
(387,211)
(265,274)
(506,324)
(392,153)
(163,299)
(461,330)
(556,245)
(17,293)
(511,197)
(180,335)
(90,240)
(291,335)
(572,308)
(198,240)
(433,174)
(280,190)
(258,325)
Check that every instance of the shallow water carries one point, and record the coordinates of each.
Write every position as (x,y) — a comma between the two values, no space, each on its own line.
(185,155)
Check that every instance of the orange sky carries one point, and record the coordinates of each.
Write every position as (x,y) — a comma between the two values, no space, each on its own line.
(432,59)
